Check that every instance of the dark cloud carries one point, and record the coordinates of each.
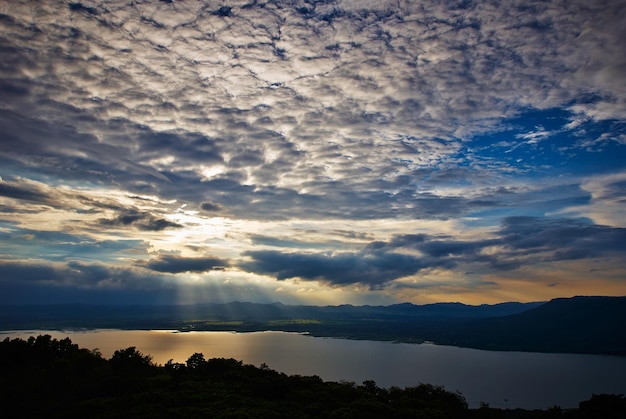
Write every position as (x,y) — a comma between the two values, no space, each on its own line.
(79,7)
(567,238)
(349,234)
(210,207)
(615,190)
(156,225)
(525,240)
(435,247)
(42,282)
(184,147)
(34,195)
(21,193)
(35,272)
(178,264)
(63,151)
(14,88)
(371,269)
(63,246)
(522,240)
(304,243)
(445,248)
(139,219)
(74,274)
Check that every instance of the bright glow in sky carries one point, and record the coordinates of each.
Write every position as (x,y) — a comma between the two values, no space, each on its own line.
(316,152)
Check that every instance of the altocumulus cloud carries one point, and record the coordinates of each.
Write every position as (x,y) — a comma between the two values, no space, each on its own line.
(343,142)
(308,102)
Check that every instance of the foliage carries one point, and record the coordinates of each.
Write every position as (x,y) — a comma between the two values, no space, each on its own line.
(130,360)
(45,377)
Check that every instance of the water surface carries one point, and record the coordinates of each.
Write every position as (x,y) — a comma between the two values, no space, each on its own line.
(502,379)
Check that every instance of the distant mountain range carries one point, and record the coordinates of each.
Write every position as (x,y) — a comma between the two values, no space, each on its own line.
(579,325)
(592,325)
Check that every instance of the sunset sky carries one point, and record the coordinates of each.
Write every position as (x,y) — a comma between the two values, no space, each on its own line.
(312,152)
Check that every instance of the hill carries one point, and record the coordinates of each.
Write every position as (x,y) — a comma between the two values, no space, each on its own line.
(577,325)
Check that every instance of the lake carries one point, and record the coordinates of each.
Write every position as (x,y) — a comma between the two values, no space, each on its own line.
(502,379)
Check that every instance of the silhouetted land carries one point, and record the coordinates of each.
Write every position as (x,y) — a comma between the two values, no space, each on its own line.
(592,325)
(45,377)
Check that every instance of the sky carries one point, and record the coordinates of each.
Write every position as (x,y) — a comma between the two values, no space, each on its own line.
(312,152)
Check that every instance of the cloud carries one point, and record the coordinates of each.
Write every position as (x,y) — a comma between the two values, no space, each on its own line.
(563,238)
(177,264)
(44,282)
(608,195)
(30,272)
(40,281)
(28,243)
(373,270)
(415,136)
(522,241)
(75,274)
(21,193)
(311,242)
(140,220)
(266,91)
(210,207)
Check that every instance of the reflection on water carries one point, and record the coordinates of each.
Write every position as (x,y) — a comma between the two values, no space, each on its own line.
(503,379)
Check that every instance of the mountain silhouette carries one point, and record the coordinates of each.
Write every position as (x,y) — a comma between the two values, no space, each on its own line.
(591,325)
(578,325)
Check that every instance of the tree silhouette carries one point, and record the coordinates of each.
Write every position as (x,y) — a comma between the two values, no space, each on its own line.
(196,361)
(131,360)
(66,381)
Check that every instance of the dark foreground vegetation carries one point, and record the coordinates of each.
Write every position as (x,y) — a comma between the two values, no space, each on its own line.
(45,377)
